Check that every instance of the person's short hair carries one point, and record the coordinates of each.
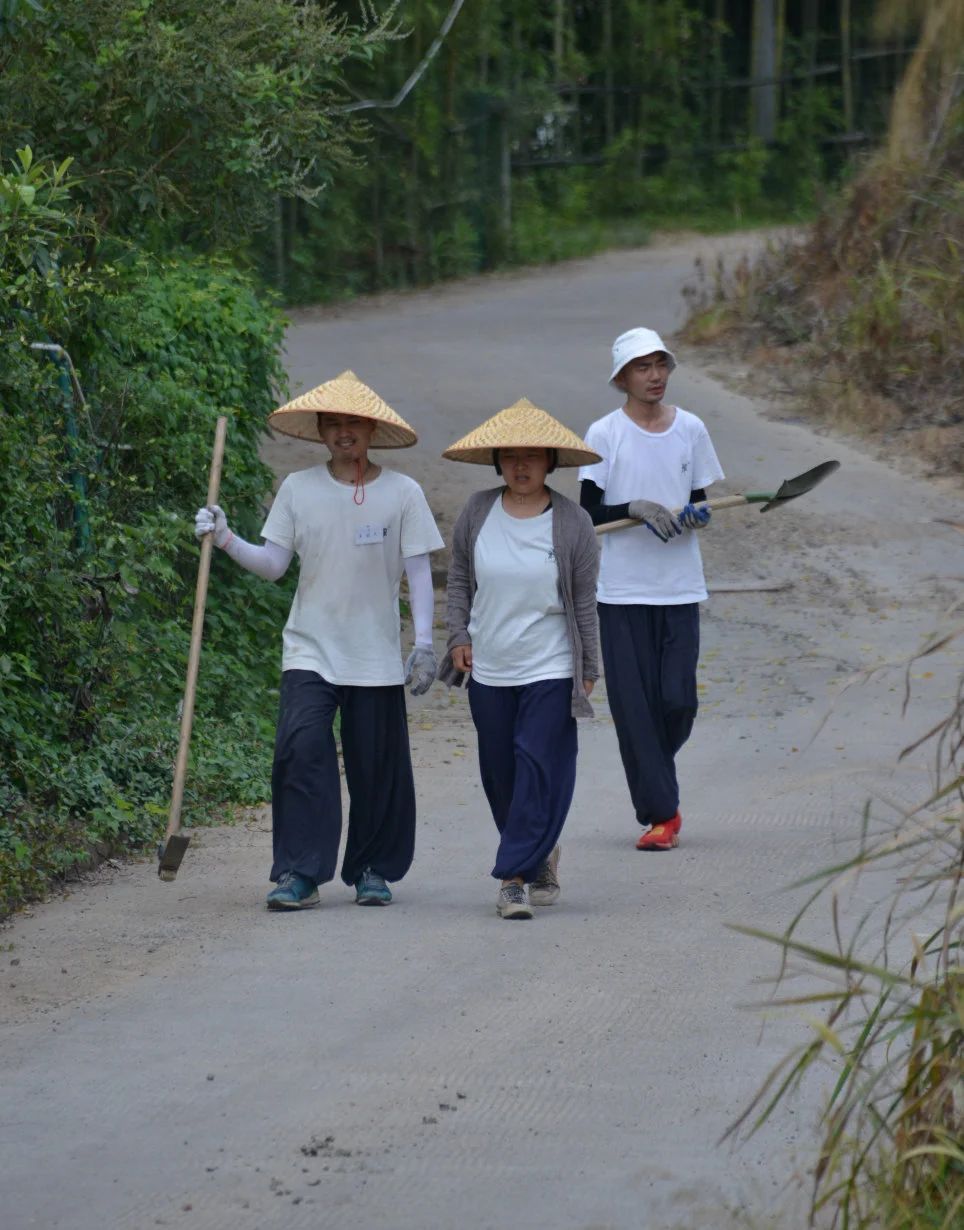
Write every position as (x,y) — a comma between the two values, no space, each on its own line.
(553,460)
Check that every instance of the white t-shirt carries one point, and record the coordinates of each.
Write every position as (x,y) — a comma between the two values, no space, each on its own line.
(518,623)
(635,567)
(344,620)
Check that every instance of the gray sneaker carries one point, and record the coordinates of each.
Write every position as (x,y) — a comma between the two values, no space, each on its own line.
(512,902)
(544,889)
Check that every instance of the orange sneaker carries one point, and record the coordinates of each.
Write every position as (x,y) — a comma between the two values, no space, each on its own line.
(662,836)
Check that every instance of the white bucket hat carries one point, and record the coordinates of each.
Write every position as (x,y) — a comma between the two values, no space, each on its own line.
(635,344)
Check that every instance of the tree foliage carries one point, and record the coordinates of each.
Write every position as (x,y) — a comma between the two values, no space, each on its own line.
(188,117)
(544,129)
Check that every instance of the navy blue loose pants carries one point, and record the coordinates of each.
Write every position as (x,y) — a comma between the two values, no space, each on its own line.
(527,759)
(305,787)
(649,657)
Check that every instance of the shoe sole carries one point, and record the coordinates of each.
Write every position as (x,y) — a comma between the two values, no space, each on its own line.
(308,904)
(372,901)
(658,846)
(549,897)
(516,914)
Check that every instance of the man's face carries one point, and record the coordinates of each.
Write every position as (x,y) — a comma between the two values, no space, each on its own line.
(645,379)
(346,435)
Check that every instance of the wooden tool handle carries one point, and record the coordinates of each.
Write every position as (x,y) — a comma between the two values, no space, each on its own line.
(725,501)
(197,628)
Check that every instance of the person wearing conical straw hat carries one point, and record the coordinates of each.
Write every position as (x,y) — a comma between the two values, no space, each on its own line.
(355,527)
(657,457)
(522,630)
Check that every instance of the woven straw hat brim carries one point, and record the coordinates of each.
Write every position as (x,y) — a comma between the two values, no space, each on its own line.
(522,425)
(346,394)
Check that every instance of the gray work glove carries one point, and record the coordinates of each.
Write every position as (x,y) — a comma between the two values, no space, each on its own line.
(421,668)
(656,518)
(212,521)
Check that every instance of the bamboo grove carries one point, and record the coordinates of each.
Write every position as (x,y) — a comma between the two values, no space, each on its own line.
(542,130)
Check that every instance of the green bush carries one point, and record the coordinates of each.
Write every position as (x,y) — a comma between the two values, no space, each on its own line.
(97,554)
(554,217)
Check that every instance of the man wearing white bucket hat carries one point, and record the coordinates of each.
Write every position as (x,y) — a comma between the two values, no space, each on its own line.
(656,457)
(355,527)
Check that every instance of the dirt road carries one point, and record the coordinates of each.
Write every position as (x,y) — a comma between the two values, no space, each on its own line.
(175,1056)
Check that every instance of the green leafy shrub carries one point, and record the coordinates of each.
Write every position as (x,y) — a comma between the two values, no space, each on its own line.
(554,218)
(95,627)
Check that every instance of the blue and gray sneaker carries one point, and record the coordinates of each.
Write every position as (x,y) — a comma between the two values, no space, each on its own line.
(371,889)
(293,892)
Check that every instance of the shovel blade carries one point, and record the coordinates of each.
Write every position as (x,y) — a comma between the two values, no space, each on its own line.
(170,856)
(791,488)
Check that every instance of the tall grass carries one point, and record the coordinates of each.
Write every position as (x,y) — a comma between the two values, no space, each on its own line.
(890,1007)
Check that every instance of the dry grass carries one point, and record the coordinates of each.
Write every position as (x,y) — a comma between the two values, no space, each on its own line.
(888,1016)
(873,298)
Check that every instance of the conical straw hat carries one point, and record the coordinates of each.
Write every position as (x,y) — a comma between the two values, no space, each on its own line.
(522,426)
(344,395)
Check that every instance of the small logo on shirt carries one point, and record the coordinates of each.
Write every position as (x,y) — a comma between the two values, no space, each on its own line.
(551,554)
(685,466)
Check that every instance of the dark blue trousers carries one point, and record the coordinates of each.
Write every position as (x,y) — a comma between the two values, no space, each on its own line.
(305,787)
(649,658)
(527,758)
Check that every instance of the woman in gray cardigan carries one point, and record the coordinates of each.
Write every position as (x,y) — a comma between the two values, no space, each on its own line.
(522,630)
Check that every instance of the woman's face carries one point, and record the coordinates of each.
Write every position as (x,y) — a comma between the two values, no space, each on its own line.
(524,469)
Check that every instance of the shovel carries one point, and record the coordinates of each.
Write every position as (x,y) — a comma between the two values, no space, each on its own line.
(172,848)
(789,489)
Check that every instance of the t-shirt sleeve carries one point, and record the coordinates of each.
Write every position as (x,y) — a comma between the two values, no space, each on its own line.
(706,464)
(279,526)
(599,472)
(419,531)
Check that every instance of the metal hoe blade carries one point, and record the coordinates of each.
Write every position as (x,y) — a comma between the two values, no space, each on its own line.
(791,488)
(170,854)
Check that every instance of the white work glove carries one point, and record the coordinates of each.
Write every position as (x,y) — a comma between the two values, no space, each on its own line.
(212,520)
(656,518)
(421,668)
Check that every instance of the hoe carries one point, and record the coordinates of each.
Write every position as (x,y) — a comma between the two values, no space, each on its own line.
(172,848)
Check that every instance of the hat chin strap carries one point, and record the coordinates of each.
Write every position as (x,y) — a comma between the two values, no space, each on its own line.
(361,468)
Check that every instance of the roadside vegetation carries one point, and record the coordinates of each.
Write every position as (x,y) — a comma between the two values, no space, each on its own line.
(97,567)
(887,1011)
(864,316)
(171,171)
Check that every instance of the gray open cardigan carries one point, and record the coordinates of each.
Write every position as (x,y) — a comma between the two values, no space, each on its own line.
(577,556)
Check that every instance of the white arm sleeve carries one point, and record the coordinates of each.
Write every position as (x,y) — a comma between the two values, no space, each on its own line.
(418,569)
(270,561)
